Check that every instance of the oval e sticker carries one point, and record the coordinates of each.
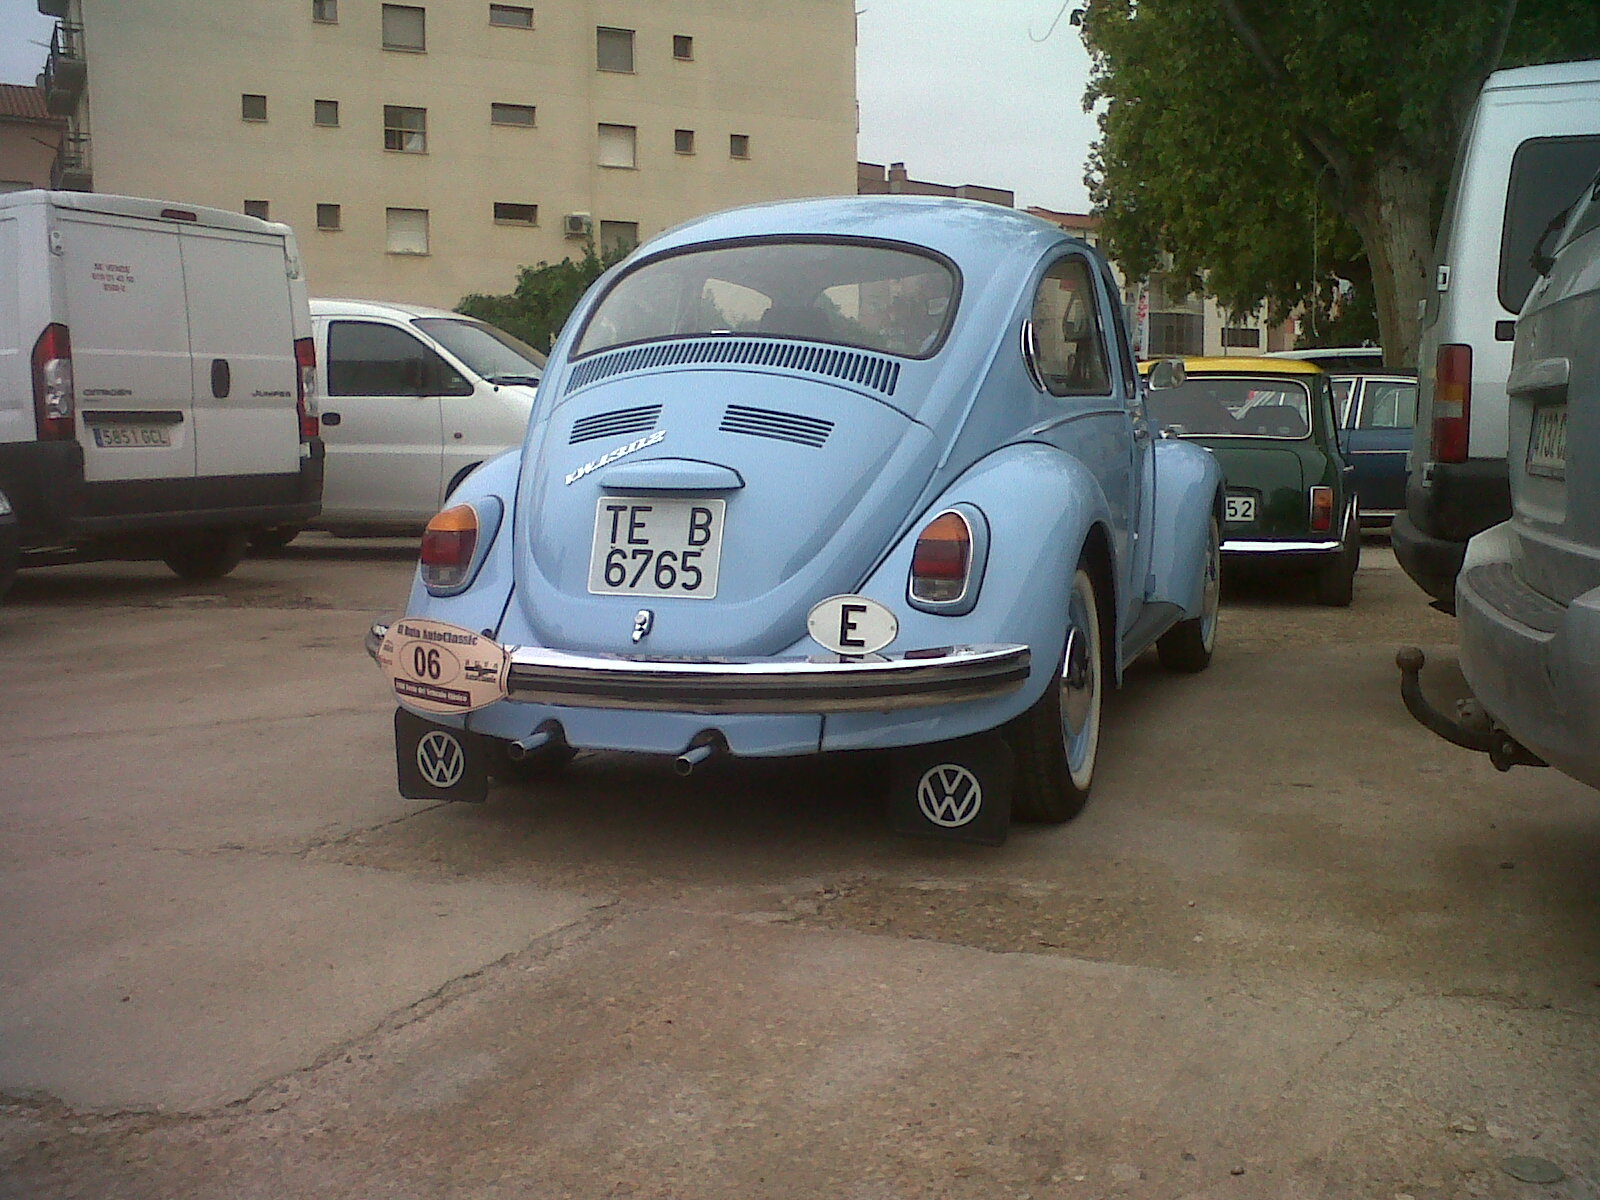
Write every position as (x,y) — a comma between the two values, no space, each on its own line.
(441,668)
(852,625)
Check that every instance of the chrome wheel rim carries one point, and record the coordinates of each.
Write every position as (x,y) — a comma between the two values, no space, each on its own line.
(1080,683)
(1211,596)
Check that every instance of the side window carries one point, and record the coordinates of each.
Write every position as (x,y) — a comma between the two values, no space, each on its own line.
(367,359)
(1389,405)
(1123,350)
(1069,347)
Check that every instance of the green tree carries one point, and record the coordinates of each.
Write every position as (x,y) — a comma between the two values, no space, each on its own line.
(544,297)
(1282,144)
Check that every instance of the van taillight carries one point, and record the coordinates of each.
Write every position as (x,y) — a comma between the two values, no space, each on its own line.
(305,387)
(53,400)
(1452,403)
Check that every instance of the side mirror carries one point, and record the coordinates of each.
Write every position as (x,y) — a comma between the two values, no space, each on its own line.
(1168,373)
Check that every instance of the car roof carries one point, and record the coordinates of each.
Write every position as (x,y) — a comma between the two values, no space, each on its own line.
(1244,366)
(969,232)
(327,306)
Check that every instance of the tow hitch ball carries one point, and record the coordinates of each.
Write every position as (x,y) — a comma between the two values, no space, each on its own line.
(1471,728)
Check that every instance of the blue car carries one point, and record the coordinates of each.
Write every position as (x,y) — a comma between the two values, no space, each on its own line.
(866,473)
(1377,409)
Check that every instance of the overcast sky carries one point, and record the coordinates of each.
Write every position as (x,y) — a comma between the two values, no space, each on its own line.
(959,90)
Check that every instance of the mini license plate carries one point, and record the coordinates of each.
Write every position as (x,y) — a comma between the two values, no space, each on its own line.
(441,668)
(132,435)
(654,547)
(1547,442)
(1236,510)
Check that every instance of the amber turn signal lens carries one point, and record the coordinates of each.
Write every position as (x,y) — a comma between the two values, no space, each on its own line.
(447,546)
(942,559)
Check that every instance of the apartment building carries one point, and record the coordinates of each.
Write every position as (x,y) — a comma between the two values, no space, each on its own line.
(29,138)
(428,149)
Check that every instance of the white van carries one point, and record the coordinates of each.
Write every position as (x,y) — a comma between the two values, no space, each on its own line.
(1531,145)
(156,376)
(413,399)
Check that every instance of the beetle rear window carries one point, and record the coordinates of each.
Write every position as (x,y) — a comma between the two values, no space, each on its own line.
(1241,407)
(858,294)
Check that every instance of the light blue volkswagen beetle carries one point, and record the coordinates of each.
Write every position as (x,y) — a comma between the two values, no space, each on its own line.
(866,473)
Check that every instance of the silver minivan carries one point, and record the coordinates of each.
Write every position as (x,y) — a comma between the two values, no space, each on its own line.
(1528,596)
(1531,143)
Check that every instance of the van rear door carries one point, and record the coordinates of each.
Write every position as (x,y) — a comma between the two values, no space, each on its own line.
(241,333)
(122,286)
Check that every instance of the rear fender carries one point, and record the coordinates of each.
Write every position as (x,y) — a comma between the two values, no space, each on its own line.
(1188,494)
(481,605)
(1040,505)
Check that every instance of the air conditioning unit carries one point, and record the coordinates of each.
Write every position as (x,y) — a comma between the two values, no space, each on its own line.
(579,224)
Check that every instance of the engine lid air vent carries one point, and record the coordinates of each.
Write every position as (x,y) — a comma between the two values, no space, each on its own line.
(780,426)
(617,423)
(873,371)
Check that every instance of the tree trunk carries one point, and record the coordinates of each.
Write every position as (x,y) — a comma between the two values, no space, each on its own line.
(1390,210)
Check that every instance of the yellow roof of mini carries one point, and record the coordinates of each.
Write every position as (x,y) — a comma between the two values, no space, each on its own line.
(1251,366)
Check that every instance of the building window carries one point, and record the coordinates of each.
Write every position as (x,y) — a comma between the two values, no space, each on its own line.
(257,209)
(739,145)
(1176,335)
(511,16)
(406,230)
(618,146)
(1242,336)
(511,114)
(516,214)
(405,129)
(683,141)
(614,49)
(325,11)
(252,107)
(404,27)
(682,47)
(618,235)
(325,113)
(328,217)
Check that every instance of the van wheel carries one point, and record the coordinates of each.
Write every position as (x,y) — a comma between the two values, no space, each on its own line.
(1056,741)
(1187,646)
(275,538)
(207,553)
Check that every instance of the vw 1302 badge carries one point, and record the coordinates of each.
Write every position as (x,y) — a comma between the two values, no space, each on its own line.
(441,668)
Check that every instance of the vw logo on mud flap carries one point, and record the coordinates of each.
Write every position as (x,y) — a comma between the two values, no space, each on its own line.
(441,759)
(949,795)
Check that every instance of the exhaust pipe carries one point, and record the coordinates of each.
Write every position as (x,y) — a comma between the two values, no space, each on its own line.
(707,744)
(546,734)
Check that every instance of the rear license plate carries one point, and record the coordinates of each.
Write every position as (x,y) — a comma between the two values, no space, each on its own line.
(132,435)
(1237,510)
(1547,442)
(656,547)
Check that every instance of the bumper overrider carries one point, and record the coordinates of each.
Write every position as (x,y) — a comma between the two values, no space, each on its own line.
(820,684)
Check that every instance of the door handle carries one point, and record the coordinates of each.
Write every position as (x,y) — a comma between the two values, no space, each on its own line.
(331,418)
(221,378)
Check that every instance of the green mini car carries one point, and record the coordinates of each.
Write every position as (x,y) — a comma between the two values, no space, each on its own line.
(1270,423)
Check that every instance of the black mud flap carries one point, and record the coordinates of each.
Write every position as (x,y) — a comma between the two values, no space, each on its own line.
(436,762)
(959,791)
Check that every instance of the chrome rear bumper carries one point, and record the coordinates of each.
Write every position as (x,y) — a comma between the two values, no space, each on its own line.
(820,684)
(1249,547)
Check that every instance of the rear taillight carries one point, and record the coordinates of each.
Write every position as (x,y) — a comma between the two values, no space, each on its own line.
(54,402)
(942,560)
(447,546)
(1321,509)
(1452,403)
(305,387)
